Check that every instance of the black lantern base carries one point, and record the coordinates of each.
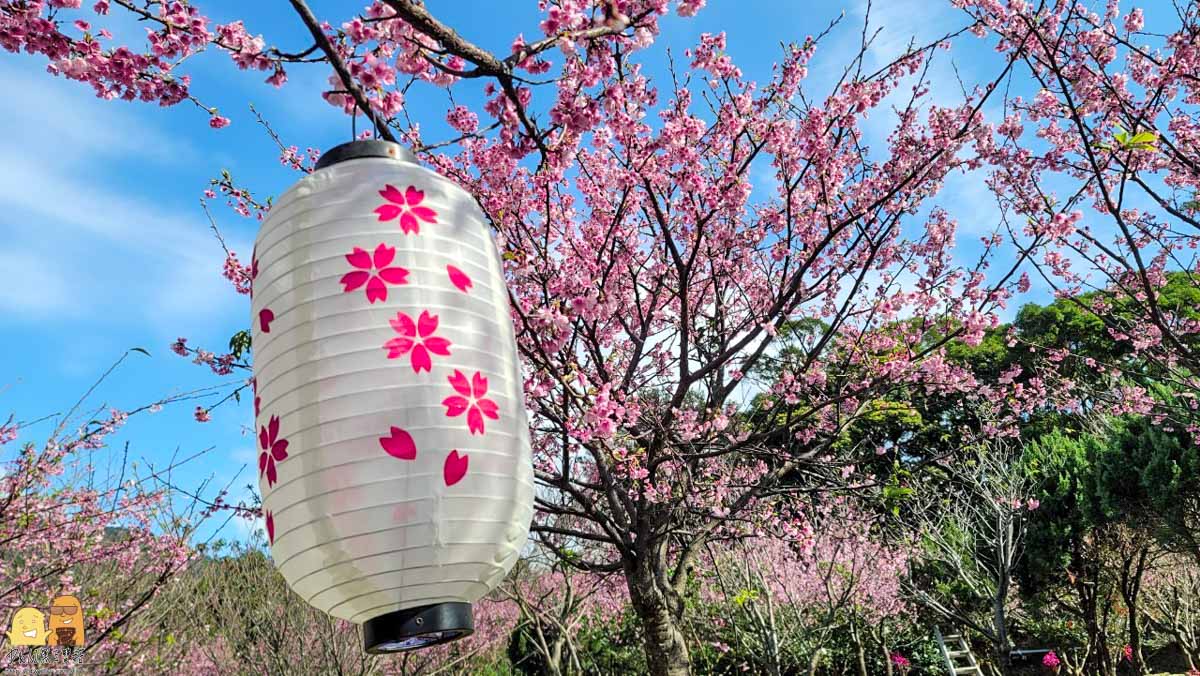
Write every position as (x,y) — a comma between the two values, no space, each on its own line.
(420,627)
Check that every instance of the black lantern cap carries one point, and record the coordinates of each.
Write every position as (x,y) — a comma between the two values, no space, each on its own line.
(355,150)
(415,628)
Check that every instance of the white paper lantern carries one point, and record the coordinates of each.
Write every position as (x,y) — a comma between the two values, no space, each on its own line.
(394,456)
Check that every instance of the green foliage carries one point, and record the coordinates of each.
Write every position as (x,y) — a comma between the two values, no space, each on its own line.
(239,343)
(1123,140)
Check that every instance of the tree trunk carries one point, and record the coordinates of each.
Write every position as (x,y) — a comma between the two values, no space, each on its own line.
(880,635)
(1000,627)
(666,649)
(860,652)
(1131,583)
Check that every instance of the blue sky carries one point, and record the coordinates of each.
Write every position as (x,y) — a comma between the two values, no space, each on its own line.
(106,247)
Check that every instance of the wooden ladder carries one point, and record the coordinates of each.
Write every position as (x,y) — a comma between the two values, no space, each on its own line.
(959,659)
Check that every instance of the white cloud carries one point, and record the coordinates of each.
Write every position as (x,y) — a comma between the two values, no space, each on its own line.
(26,289)
(79,245)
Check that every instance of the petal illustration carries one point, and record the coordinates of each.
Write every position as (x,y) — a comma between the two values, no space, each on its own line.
(279,450)
(376,290)
(394,275)
(455,406)
(478,385)
(404,325)
(265,317)
(459,382)
(359,258)
(398,347)
(427,323)
(475,420)
(353,280)
(459,278)
(438,345)
(384,255)
(399,445)
(425,214)
(489,408)
(273,429)
(413,196)
(420,359)
(455,468)
(408,223)
(387,211)
(391,194)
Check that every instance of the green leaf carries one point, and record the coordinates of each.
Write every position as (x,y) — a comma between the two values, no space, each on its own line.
(1144,140)
(239,344)
(745,596)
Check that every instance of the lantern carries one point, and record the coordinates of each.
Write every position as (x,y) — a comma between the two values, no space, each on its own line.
(394,458)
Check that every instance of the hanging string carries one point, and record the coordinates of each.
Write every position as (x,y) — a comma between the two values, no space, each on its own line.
(375,130)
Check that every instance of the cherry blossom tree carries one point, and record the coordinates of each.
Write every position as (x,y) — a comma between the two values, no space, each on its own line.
(557,603)
(76,516)
(649,276)
(1100,156)
(785,603)
(243,618)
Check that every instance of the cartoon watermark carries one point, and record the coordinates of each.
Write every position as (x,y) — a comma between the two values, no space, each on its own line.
(66,622)
(34,647)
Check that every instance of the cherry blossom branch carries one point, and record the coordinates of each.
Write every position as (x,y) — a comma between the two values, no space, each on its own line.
(339,66)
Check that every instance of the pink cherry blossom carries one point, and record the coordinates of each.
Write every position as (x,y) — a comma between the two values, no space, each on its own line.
(407,206)
(417,338)
(273,449)
(470,399)
(201,414)
(383,275)
(240,275)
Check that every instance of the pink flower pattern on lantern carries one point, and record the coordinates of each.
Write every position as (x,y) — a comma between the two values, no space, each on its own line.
(379,262)
(253,269)
(417,338)
(399,445)
(455,468)
(270,526)
(273,449)
(459,278)
(471,400)
(265,317)
(407,206)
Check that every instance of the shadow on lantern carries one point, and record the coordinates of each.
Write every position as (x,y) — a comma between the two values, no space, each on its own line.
(332,254)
